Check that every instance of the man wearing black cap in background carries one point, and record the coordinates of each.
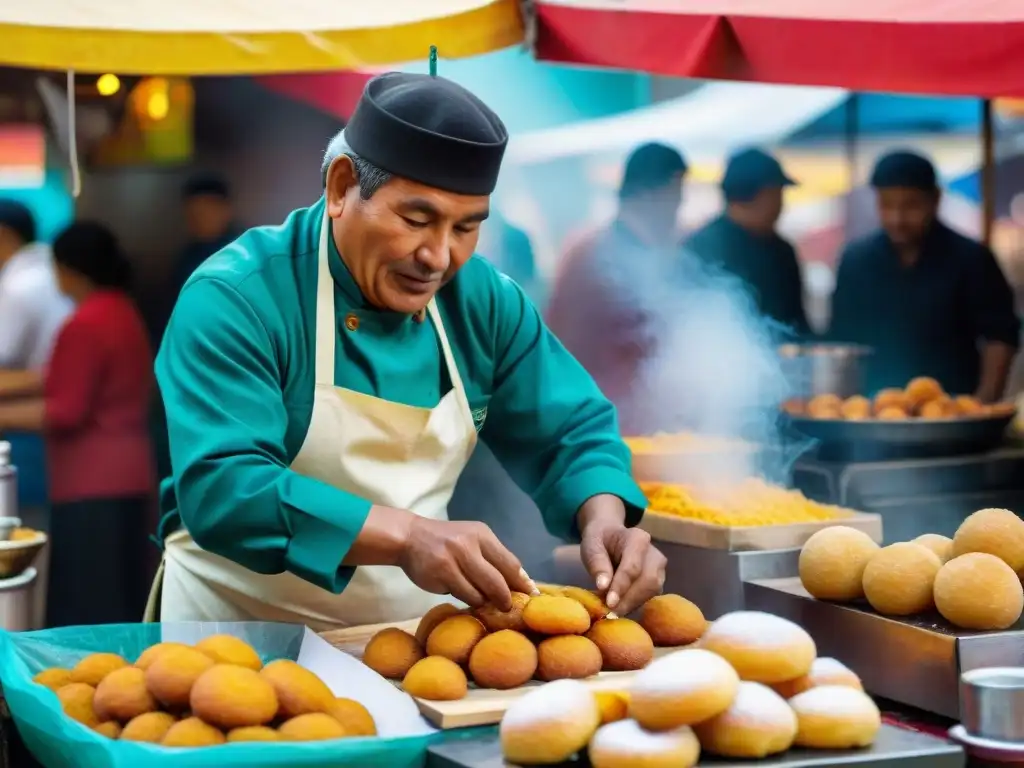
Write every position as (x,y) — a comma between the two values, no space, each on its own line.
(326,380)
(743,241)
(928,300)
(606,295)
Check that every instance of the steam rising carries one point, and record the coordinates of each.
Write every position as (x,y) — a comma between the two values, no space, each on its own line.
(717,373)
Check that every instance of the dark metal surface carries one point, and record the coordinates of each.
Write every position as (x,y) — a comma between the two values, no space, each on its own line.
(894,748)
(874,439)
(914,660)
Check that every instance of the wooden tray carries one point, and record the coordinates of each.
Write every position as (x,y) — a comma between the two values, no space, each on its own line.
(481,706)
(696,533)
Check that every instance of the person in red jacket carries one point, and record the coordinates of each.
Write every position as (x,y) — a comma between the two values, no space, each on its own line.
(92,410)
(604,300)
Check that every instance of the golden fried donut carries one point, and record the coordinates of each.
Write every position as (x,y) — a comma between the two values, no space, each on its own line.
(432,618)
(391,653)
(565,657)
(760,646)
(682,688)
(624,744)
(556,615)
(455,637)
(495,620)
(672,620)
(832,563)
(757,724)
(942,546)
(549,724)
(824,671)
(624,644)
(979,591)
(503,660)
(997,532)
(835,717)
(898,580)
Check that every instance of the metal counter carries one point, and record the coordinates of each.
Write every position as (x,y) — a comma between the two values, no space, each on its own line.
(894,748)
(711,578)
(916,660)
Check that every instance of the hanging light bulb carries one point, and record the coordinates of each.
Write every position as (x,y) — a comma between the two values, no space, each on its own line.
(108,85)
(158,102)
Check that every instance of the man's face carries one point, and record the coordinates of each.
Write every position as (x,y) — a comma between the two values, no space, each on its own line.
(767,207)
(907,214)
(406,241)
(207,217)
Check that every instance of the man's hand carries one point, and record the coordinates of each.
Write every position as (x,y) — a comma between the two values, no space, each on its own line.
(626,567)
(464,559)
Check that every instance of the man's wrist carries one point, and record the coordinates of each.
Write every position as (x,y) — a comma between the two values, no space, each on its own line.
(601,511)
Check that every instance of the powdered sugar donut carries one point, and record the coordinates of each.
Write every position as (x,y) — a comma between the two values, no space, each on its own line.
(625,744)
(835,717)
(824,671)
(549,724)
(759,723)
(761,647)
(682,688)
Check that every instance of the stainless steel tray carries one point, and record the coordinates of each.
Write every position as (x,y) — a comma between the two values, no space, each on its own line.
(894,748)
(916,660)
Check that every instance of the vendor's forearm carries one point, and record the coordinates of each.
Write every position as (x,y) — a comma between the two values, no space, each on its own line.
(996,359)
(382,539)
(15,383)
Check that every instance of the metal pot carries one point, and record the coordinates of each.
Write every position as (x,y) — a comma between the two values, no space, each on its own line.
(992,703)
(8,483)
(824,369)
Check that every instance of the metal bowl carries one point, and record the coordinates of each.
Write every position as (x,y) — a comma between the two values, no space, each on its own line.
(992,703)
(824,369)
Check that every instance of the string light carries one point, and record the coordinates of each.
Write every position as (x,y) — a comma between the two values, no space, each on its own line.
(108,85)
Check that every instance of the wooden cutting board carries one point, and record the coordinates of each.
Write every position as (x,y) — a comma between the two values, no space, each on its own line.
(481,706)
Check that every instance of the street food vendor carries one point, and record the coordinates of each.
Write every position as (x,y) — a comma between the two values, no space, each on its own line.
(744,240)
(928,300)
(326,379)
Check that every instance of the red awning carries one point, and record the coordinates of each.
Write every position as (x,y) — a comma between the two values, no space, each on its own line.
(335,93)
(965,47)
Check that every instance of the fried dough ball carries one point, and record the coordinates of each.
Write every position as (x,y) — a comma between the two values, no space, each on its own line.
(432,618)
(997,532)
(967,406)
(550,589)
(455,637)
(53,678)
(229,696)
(942,546)
(506,659)
(192,732)
(315,726)
(856,408)
(122,695)
(824,671)
(759,723)
(549,724)
(76,699)
(624,644)
(149,728)
(353,716)
(939,408)
(762,647)
(923,389)
(898,580)
(891,398)
(824,407)
(111,729)
(556,615)
(93,668)
(436,678)
(625,744)
(979,591)
(148,656)
(391,652)
(672,620)
(495,620)
(892,414)
(253,733)
(298,690)
(227,649)
(832,563)
(566,657)
(835,717)
(794,407)
(590,600)
(171,675)
(613,705)
(682,688)
(1001,409)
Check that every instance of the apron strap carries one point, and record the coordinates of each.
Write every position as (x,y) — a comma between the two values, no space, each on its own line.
(326,331)
(449,359)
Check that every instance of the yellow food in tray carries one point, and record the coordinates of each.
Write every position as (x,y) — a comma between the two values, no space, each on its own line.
(686,442)
(753,502)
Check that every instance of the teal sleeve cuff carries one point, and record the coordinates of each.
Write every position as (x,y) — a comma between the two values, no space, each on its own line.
(560,505)
(325,525)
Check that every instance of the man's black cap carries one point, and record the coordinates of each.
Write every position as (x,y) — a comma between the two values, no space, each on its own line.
(650,167)
(429,130)
(904,169)
(19,219)
(205,184)
(750,171)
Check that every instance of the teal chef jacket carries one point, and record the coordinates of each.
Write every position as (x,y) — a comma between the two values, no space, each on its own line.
(236,371)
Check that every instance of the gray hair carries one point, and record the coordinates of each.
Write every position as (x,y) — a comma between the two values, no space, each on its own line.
(369,176)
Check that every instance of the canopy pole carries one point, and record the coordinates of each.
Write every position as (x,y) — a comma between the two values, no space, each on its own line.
(988,172)
(433,61)
(851,130)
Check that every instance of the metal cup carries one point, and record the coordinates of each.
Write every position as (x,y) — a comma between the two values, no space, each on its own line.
(992,703)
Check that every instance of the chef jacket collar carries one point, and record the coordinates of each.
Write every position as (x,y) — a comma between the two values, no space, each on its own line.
(933,240)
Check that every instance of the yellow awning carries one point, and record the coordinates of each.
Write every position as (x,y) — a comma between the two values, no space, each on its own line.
(228,37)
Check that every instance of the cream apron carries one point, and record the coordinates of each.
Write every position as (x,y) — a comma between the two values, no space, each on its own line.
(395,455)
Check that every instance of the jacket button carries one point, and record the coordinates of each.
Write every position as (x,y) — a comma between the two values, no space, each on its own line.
(352,321)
